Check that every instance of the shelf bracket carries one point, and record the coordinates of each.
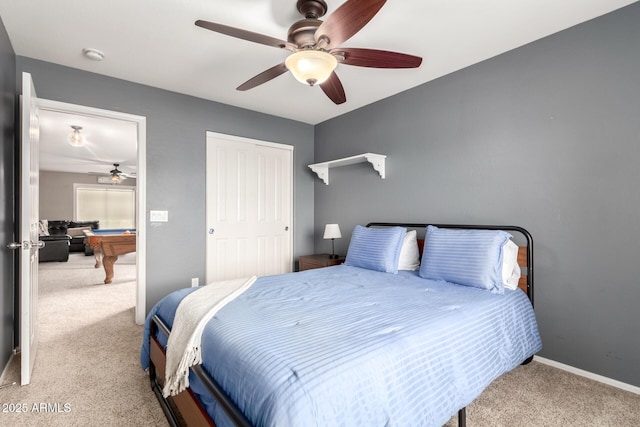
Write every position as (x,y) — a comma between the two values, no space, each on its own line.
(322,171)
(378,163)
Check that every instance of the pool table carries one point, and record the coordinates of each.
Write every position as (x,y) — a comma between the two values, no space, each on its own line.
(107,244)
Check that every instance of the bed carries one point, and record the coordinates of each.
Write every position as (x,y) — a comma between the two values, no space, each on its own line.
(363,343)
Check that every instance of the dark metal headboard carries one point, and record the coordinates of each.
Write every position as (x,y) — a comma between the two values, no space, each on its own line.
(517,229)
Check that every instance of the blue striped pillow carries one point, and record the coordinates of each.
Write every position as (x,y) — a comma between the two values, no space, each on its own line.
(375,248)
(466,257)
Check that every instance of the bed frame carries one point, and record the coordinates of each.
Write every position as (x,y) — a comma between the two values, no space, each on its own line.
(525,253)
(186,409)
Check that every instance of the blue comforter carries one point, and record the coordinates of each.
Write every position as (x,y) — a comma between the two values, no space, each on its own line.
(345,346)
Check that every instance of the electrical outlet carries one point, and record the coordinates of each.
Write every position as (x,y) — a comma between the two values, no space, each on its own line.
(195,282)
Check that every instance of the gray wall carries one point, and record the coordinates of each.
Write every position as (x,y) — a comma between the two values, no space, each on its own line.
(546,137)
(7,233)
(56,192)
(176,126)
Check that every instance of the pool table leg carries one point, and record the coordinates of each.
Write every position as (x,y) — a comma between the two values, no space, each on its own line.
(97,253)
(107,262)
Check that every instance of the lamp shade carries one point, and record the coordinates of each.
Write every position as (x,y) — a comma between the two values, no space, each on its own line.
(311,66)
(332,231)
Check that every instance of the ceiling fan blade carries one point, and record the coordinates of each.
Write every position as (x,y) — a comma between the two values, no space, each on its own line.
(264,77)
(245,35)
(347,20)
(377,58)
(332,87)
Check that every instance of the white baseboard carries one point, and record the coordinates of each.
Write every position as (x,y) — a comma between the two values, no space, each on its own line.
(590,375)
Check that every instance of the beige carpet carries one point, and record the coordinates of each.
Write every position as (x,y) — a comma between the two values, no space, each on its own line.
(88,368)
(539,395)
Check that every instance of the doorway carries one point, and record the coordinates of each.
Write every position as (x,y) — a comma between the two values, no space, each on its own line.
(140,205)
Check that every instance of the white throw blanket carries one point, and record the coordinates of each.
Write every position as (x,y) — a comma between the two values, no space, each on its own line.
(194,311)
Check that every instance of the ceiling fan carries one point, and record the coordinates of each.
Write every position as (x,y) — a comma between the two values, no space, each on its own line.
(316,46)
(115,174)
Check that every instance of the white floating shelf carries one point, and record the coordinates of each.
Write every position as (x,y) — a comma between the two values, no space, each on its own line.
(376,160)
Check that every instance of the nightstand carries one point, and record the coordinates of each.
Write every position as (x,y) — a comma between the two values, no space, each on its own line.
(307,262)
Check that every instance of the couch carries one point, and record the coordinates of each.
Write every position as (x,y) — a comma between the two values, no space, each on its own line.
(56,241)
(61,237)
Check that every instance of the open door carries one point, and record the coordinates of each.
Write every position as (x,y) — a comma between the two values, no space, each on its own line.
(29,243)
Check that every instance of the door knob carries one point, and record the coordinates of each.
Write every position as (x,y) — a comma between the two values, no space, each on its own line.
(26,245)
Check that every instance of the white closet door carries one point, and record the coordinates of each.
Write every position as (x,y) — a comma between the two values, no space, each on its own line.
(249,207)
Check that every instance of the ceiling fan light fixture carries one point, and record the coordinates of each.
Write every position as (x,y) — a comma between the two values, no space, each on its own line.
(316,46)
(116,174)
(75,138)
(311,67)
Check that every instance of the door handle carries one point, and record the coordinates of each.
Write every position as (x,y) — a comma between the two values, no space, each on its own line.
(26,245)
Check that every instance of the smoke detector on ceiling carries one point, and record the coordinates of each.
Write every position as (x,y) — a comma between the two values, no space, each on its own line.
(93,54)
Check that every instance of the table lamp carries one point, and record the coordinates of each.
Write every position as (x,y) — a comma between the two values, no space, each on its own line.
(332,231)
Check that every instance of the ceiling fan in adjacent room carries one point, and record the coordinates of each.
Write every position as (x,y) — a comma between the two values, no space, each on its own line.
(116,176)
(316,46)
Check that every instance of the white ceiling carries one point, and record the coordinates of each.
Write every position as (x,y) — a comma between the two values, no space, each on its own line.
(155,42)
(106,141)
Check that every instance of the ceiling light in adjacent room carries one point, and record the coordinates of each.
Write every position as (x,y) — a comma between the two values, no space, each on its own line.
(75,138)
(311,66)
(93,54)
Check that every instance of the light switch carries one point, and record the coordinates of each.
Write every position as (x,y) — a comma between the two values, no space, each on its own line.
(159,216)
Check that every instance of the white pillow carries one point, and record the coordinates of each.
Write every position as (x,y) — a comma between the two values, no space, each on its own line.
(510,268)
(409,254)
(43,227)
